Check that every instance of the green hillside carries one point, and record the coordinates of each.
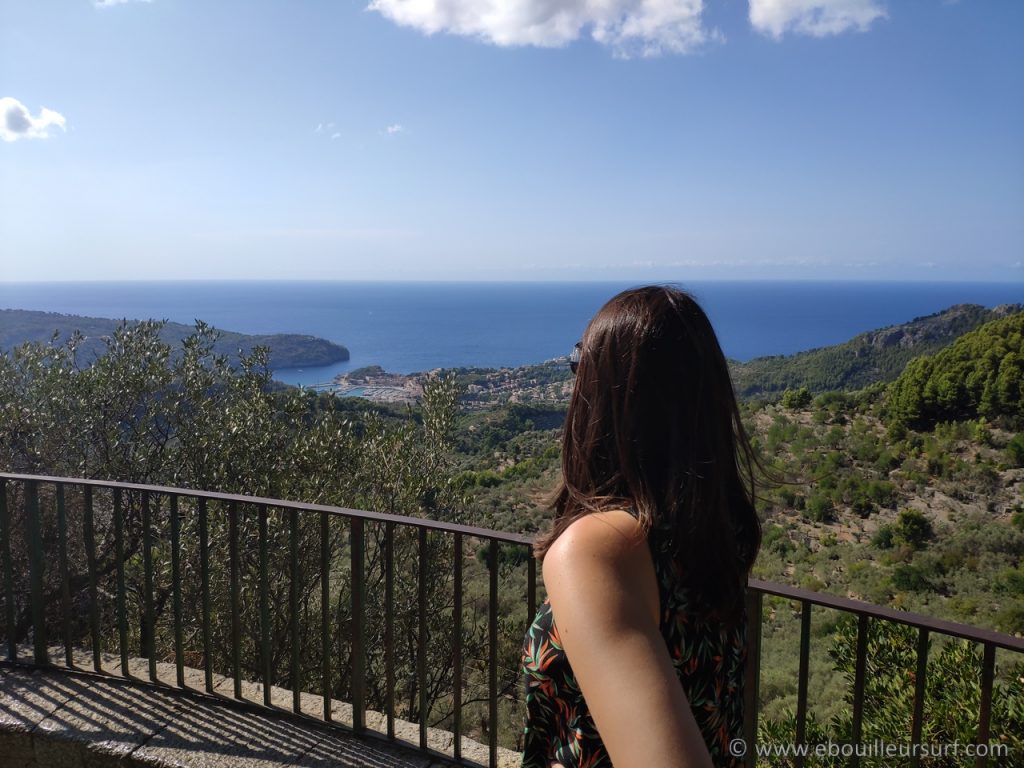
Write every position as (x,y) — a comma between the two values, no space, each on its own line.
(981,374)
(869,358)
(287,350)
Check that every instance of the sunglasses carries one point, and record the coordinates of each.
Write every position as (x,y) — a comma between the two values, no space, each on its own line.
(574,357)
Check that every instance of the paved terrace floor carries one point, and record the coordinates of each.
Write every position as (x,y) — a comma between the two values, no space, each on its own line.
(50,718)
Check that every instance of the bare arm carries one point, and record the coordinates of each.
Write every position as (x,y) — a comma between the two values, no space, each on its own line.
(604,597)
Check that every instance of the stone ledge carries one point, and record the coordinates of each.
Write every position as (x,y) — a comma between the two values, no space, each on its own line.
(62,719)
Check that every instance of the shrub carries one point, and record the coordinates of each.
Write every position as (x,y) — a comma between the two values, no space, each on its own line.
(882,492)
(884,537)
(910,577)
(1018,518)
(787,496)
(981,432)
(819,508)
(912,529)
(796,398)
(1015,450)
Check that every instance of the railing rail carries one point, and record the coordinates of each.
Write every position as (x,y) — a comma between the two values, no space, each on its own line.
(271,540)
(379,517)
(859,607)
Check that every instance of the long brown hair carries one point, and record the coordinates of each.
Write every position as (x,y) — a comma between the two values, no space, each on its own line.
(653,426)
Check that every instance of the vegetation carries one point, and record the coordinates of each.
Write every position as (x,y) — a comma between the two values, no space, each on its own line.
(876,356)
(920,512)
(981,374)
(142,413)
(951,703)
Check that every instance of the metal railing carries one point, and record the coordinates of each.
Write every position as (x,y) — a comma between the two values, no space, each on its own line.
(79,559)
(865,612)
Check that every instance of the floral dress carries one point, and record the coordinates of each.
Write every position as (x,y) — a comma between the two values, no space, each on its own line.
(708,659)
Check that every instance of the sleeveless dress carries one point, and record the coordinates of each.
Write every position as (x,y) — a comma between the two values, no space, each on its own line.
(708,659)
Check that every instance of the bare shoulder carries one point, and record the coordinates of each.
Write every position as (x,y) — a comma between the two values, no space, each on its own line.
(608,539)
(600,570)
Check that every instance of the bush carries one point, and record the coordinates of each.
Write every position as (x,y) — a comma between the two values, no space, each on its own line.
(820,509)
(863,506)
(981,432)
(1018,518)
(796,398)
(912,529)
(882,492)
(910,577)
(787,497)
(1015,450)
(884,538)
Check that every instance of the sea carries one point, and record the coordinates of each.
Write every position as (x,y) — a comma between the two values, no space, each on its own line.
(407,327)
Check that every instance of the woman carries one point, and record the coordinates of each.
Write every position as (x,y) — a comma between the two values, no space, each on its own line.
(637,656)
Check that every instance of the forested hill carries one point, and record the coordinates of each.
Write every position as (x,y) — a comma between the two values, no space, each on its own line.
(287,350)
(871,357)
(979,375)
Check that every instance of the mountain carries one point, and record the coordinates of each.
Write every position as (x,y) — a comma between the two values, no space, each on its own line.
(287,350)
(871,357)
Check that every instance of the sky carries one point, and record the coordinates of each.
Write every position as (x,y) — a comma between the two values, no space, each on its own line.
(515,140)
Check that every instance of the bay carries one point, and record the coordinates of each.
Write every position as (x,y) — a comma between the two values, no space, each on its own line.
(417,326)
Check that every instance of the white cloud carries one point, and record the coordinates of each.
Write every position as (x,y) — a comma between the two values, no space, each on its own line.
(16,122)
(391,130)
(112,3)
(628,27)
(335,136)
(817,18)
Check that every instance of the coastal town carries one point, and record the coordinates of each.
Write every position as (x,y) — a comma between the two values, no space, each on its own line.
(376,384)
(481,387)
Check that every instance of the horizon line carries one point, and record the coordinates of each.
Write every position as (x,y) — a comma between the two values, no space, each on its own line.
(496,281)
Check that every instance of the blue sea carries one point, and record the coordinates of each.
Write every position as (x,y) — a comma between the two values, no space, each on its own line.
(407,327)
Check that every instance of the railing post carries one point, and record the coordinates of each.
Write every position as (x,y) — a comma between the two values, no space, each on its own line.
(293,600)
(389,625)
(204,574)
(325,611)
(235,589)
(859,681)
(179,658)
(34,533)
(492,662)
(801,696)
(5,551)
(65,585)
(122,610)
(358,549)
(149,618)
(267,662)
(752,674)
(89,534)
(421,633)
(988,666)
(457,649)
(920,683)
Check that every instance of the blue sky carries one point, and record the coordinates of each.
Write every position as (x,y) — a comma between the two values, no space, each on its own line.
(666,139)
